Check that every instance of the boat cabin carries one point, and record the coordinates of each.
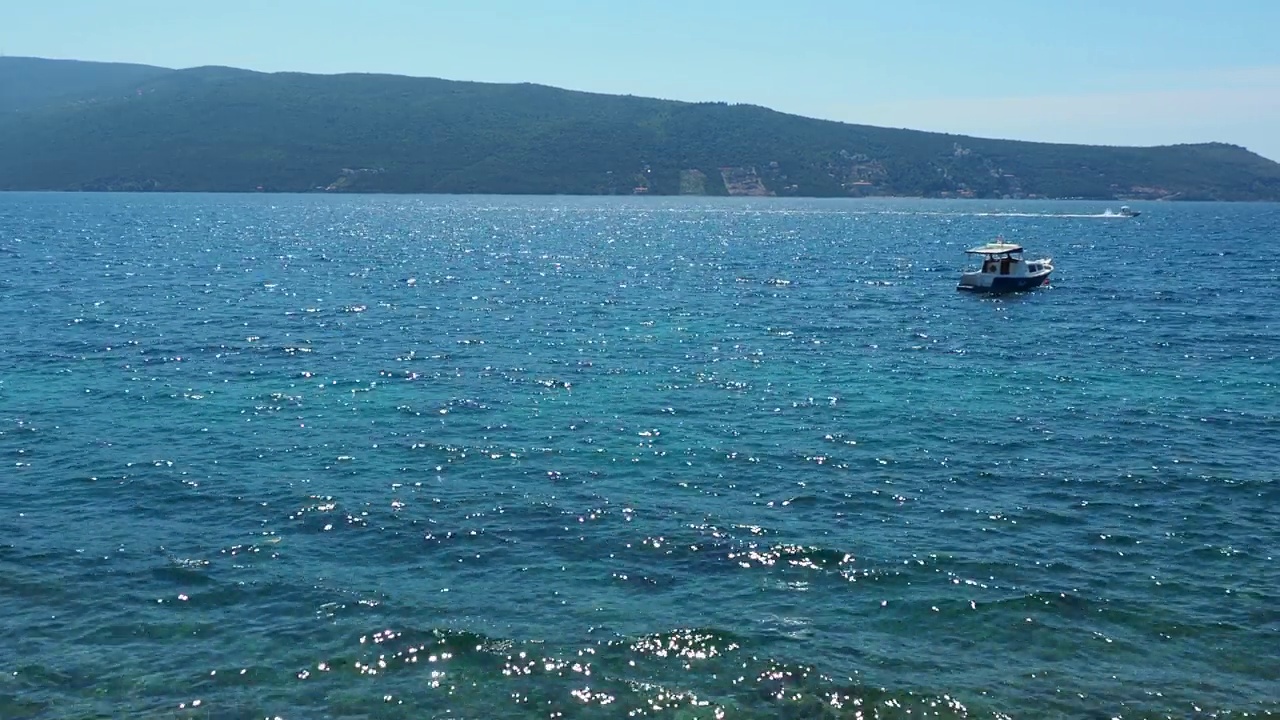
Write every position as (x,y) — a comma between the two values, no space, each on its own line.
(1000,258)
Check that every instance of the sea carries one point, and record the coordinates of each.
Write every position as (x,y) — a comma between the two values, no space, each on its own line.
(356,457)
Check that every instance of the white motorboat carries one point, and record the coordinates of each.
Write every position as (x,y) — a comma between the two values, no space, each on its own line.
(1004,269)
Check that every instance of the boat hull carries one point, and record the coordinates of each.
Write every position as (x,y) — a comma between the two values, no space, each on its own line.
(992,283)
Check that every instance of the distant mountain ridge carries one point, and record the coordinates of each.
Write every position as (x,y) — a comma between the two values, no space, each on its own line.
(30,83)
(71,125)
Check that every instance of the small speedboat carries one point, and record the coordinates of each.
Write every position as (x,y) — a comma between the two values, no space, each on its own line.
(1004,270)
(1126,211)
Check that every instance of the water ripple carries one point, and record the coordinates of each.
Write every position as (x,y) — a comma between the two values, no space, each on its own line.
(565,457)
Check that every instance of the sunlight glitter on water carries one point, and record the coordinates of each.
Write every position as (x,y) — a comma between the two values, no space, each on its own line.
(597,464)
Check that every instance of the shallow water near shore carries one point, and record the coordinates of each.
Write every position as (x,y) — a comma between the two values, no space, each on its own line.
(480,457)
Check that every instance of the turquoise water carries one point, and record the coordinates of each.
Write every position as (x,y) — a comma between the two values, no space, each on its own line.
(403,457)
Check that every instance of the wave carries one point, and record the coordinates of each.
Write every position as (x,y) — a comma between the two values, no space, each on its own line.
(1097,216)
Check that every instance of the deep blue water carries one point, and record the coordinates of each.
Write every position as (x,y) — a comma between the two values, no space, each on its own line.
(405,457)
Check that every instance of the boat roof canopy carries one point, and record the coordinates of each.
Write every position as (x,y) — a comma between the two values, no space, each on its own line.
(995,248)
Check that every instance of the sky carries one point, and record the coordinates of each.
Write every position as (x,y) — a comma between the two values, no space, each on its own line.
(1125,72)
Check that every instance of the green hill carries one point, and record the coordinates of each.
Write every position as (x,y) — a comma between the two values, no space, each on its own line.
(222,129)
(27,83)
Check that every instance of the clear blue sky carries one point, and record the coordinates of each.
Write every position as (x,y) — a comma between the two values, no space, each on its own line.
(1126,72)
